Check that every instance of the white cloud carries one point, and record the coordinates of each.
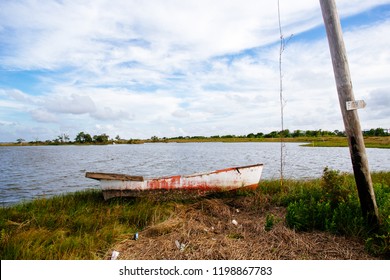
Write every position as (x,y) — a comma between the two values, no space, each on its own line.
(74,104)
(107,114)
(199,67)
(43,116)
(377,111)
(83,34)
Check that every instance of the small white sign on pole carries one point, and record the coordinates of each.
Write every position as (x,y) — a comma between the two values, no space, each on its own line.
(354,105)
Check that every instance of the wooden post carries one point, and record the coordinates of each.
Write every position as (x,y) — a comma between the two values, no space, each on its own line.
(350,117)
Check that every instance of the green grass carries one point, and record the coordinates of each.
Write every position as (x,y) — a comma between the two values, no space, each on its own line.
(84,226)
(74,226)
(326,141)
(370,142)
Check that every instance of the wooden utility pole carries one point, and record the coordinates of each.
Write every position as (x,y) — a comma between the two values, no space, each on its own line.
(350,115)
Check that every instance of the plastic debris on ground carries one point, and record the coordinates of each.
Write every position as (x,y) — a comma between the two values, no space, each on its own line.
(114,255)
(180,246)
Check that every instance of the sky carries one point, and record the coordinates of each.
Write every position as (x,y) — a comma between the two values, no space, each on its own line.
(170,68)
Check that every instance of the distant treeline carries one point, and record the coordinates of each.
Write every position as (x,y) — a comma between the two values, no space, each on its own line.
(86,138)
(83,138)
(288,134)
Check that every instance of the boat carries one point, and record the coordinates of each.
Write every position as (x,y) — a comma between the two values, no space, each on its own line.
(198,184)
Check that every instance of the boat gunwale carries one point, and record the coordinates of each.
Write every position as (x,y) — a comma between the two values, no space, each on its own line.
(124,177)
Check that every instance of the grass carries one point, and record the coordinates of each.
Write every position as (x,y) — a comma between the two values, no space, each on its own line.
(74,226)
(325,141)
(370,142)
(84,226)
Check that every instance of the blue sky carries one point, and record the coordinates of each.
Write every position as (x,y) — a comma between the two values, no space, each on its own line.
(177,68)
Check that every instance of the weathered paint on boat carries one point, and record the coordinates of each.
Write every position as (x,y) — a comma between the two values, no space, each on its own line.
(119,185)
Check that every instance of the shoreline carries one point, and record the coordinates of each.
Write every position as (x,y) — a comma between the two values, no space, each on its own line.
(382,142)
(83,225)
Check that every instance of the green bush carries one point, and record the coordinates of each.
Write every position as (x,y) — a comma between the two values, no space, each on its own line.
(337,209)
(335,187)
(379,244)
(269,222)
(308,215)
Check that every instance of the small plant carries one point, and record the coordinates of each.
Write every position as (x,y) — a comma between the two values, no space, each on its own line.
(269,222)
(335,187)
(235,236)
(379,245)
(309,215)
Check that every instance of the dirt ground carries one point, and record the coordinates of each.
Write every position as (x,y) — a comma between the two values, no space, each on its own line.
(233,229)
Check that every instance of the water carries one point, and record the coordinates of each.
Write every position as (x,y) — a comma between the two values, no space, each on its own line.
(29,172)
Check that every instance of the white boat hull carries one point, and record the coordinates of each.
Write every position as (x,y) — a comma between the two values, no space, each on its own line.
(114,185)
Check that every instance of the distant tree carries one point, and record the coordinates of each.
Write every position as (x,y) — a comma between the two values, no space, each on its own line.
(376,132)
(371,132)
(285,133)
(20,140)
(80,138)
(88,138)
(297,133)
(62,138)
(339,133)
(329,133)
(102,138)
(272,134)
(154,139)
(380,132)
(313,133)
(83,138)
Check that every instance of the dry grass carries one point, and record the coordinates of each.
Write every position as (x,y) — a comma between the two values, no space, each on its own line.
(207,232)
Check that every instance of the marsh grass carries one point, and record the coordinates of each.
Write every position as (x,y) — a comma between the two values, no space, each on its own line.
(84,226)
(370,142)
(74,226)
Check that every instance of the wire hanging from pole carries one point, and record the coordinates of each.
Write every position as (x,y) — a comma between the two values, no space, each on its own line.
(283,44)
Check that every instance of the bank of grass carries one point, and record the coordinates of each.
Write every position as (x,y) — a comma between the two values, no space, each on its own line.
(370,142)
(326,141)
(73,226)
(84,226)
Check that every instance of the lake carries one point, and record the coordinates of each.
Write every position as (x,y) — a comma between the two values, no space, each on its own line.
(28,172)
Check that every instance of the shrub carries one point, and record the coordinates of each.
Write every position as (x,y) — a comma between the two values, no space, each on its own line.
(337,210)
(335,187)
(269,222)
(308,215)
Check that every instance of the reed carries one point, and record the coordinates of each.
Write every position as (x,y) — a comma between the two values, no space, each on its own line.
(74,226)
